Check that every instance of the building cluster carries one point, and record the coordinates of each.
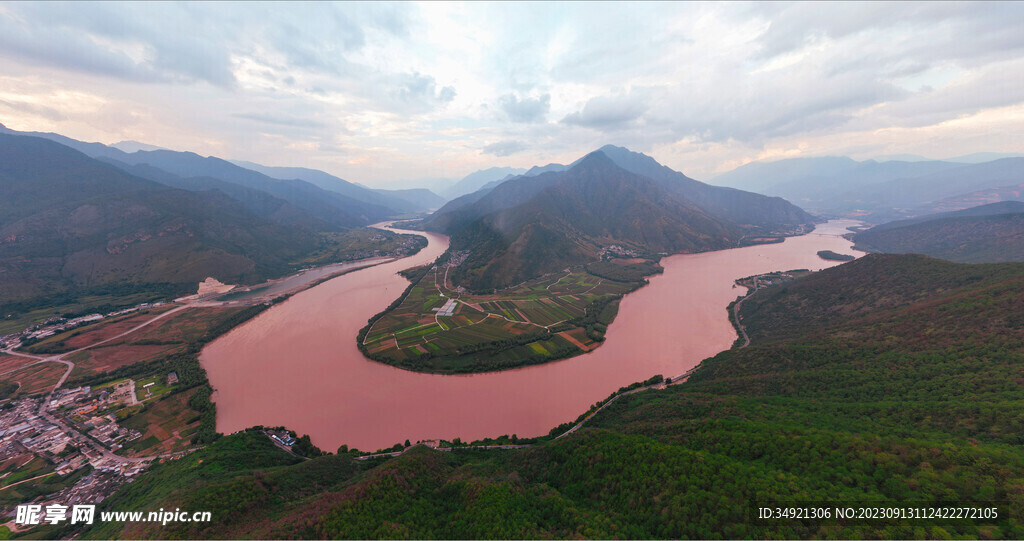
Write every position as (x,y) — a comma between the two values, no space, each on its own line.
(56,325)
(282,437)
(406,247)
(457,258)
(448,309)
(768,279)
(105,430)
(57,434)
(27,430)
(615,250)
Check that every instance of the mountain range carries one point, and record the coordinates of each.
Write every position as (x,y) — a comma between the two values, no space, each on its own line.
(409,200)
(534,224)
(984,234)
(879,380)
(478,179)
(70,222)
(328,198)
(880,191)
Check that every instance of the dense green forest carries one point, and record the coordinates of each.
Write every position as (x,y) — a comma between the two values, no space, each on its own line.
(893,379)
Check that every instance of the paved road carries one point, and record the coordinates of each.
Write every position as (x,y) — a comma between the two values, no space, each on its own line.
(736,315)
(399,453)
(59,358)
(82,439)
(678,379)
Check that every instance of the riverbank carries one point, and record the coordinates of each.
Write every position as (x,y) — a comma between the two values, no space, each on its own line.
(436,328)
(297,364)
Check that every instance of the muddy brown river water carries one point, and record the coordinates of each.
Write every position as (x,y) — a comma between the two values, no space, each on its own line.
(297,364)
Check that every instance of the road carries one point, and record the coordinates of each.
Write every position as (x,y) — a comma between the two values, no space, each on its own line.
(77,436)
(399,453)
(59,358)
(736,315)
(680,378)
(27,480)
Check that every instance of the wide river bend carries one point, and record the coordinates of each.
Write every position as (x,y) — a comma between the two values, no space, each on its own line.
(297,364)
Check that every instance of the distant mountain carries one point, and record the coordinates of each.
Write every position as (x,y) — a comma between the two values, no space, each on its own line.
(419,199)
(823,183)
(902,158)
(982,157)
(531,225)
(872,190)
(256,201)
(134,146)
(335,209)
(763,177)
(909,192)
(977,157)
(975,198)
(986,234)
(332,183)
(738,206)
(742,207)
(549,168)
(93,150)
(68,221)
(477,179)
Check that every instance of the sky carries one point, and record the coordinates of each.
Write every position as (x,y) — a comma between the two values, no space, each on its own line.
(390,94)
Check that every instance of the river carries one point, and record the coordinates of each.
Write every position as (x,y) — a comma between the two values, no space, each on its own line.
(297,364)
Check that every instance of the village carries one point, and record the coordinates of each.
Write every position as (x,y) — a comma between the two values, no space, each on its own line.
(59,441)
(72,439)
(59,324)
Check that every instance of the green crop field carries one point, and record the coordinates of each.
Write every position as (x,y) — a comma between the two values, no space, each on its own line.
(526,324)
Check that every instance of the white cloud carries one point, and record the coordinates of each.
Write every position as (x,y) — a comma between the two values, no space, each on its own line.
(377,92)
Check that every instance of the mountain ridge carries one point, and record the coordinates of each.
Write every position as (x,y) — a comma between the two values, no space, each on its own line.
(531,225)
(68,221)
(990,233)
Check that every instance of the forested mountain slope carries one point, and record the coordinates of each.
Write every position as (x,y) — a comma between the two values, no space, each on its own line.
(68,221)
(984,234)
(912,396)
(527,226)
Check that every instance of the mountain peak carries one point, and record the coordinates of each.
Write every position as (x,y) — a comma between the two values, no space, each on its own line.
(134,146)
(594,159)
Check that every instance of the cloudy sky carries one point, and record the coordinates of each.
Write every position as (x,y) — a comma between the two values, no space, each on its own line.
(387,93)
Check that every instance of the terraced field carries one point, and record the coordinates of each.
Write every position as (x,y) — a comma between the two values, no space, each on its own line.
(437,328)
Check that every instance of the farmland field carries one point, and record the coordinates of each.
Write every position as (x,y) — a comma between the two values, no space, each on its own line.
(437,328)
(11,362)
(186,326)
(167,425)
(35,378)
(161,339)
(97,332)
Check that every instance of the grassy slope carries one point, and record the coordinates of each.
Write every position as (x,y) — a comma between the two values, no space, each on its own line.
(912,395)
(967,239)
